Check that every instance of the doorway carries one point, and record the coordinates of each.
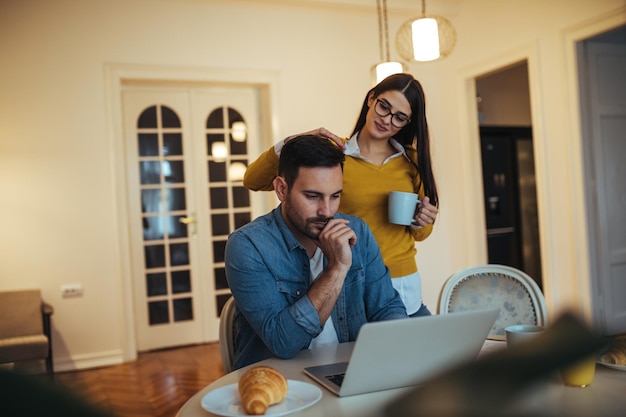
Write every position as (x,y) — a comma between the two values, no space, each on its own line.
(510,199)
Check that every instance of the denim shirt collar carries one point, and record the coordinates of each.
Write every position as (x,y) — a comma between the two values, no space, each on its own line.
(288,236)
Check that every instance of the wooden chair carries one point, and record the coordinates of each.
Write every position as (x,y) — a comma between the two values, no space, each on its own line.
(25,333)
(227,345)
(517,295)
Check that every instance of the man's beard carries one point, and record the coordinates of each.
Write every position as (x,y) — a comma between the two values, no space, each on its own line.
(310,227)
(315,225)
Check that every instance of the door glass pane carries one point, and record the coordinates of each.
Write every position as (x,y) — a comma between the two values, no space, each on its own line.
(219,224)
(215,119)
(218,251)
(176,199)
(153,228)
(158,312)
(217,171)
(218,198)
(175,228)
(241,219)
(156,284)
(241,197)
(179,254)
(150,201)
(183,309)
(172,144)
(173,171)
(238,148)
(181,281)
(154,256)
(148,118)
(220,278)
(169,117)
(148,144)
(216,146)
(149,172)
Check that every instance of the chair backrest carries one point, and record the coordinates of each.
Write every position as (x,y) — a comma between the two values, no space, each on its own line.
(227,345)
(517,295)
(20,313)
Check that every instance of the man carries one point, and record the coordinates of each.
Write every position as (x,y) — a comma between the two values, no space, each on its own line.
(304,275)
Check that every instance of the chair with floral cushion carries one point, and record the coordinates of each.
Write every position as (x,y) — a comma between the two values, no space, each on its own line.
(517,295)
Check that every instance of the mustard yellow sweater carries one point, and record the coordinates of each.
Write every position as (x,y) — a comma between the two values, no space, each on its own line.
(366,188)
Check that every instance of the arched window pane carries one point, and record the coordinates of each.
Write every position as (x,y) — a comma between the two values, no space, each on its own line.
(169,117)
(215,119)
(148,118)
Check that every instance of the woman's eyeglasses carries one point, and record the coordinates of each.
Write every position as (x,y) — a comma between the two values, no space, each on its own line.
(383,109)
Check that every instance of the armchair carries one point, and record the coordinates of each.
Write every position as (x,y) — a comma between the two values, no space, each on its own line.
(25,332)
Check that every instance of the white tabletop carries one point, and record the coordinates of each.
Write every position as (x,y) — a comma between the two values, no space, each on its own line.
(605,397)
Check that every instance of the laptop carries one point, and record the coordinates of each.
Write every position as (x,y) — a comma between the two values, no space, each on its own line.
(404,352)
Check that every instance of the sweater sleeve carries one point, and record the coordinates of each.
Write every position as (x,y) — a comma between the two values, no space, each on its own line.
(422,233)
(261,173)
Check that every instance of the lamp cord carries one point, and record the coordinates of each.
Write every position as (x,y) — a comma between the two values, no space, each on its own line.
(383,31)
(387,59)
(380,30)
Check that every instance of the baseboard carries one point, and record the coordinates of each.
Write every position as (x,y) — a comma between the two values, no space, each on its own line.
(88,361)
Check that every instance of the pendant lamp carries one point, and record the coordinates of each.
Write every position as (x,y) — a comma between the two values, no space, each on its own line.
(386,67)
(425,38)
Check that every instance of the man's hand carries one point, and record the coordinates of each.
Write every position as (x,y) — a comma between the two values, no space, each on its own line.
(325,133)
(335,241)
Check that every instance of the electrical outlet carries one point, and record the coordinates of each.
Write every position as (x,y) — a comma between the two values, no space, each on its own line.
(71,290)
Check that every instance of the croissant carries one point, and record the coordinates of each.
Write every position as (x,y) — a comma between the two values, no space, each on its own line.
(260,387)
(616,352)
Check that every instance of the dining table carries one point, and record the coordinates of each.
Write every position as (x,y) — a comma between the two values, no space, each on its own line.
(605,397)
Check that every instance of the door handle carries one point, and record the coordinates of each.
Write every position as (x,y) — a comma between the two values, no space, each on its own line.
(187,220)
(191,222)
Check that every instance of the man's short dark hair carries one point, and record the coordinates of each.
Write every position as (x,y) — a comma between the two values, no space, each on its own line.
(308,151)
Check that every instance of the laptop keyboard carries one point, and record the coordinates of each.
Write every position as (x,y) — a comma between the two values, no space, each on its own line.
(336,378)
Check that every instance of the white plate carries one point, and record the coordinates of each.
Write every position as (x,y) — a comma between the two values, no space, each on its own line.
(225,401)
(610,365)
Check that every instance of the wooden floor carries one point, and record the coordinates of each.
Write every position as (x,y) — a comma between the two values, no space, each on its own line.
(157,384)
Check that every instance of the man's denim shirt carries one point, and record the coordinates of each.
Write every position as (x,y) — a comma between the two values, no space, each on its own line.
(268,273)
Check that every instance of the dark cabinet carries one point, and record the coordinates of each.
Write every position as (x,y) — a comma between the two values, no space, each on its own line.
(510,198)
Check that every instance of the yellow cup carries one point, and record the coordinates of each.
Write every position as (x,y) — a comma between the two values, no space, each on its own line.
(579,374)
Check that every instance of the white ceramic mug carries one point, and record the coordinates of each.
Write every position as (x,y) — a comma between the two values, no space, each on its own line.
(402,207)
(521,332)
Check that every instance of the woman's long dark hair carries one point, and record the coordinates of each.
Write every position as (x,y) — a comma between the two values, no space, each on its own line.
(413,135)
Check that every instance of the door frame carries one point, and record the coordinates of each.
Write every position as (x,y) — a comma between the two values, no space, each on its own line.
(475,213)
(116,75)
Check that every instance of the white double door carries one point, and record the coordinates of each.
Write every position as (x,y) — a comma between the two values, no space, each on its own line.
(186,150)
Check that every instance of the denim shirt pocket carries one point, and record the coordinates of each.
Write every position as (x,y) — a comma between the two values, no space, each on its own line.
(292,289)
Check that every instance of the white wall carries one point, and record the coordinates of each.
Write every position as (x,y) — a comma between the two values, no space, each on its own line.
(505,97)
(57,183)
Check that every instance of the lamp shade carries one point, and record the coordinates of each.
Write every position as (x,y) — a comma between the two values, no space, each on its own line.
(407,38)
(425,35)
(385,69)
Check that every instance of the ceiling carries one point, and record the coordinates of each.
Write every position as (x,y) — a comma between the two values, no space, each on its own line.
(392,5)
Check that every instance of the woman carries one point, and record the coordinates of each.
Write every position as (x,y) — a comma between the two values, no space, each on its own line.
(388,150)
